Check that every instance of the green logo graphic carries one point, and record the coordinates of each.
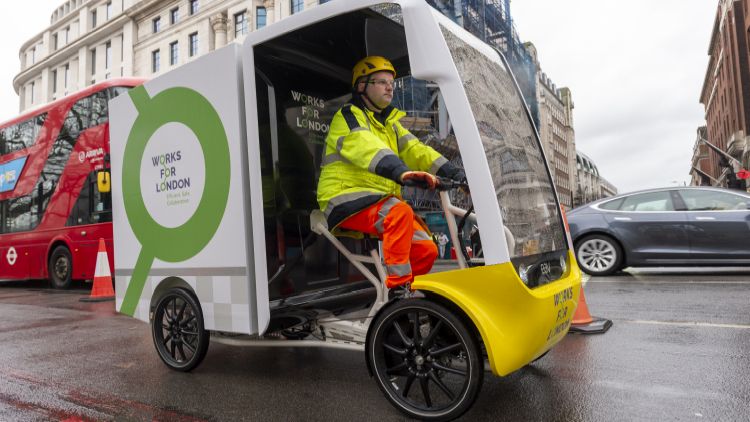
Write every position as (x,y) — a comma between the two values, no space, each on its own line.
(187,107)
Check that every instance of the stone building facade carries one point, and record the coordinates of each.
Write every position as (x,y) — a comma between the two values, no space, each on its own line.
(590,185)
(92,40)
(726,94)
(700,169)
(556,131)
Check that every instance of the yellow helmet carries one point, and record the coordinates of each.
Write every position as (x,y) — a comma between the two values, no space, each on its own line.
(370,65)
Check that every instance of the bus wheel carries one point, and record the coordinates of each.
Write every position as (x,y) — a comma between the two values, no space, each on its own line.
(425,360)
(178,332)
(60,268)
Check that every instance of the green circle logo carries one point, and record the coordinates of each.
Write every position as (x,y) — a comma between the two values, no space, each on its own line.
(189,108)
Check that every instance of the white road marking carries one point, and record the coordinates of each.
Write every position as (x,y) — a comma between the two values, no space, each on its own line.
(689,324)
(637,280)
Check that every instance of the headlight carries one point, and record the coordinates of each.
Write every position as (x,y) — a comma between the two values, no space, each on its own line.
(523,273)
(563,264)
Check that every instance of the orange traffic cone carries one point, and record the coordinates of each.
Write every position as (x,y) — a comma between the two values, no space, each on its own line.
(584,323)
(102,289)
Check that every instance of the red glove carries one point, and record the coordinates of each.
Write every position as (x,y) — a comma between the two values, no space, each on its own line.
(420,179)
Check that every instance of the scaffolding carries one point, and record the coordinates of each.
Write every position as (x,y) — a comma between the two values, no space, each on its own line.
(492,22)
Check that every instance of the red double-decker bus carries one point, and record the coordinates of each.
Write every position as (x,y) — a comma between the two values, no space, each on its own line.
(52,213)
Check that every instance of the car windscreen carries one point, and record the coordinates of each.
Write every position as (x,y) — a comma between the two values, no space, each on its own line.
(523,185)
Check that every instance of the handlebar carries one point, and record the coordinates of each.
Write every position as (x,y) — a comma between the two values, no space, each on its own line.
(444,184)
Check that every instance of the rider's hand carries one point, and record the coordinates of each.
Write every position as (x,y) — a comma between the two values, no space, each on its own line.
(419,178)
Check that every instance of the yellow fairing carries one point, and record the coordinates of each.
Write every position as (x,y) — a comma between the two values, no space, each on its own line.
(517,324)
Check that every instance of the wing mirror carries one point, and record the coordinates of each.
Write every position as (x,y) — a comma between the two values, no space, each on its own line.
(103,181)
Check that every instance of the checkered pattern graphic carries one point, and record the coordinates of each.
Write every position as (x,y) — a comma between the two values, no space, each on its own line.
(224,300)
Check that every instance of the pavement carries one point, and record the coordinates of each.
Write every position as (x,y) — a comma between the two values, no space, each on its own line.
(679,350)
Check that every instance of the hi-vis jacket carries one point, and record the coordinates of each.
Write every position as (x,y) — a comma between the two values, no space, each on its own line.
(364,159)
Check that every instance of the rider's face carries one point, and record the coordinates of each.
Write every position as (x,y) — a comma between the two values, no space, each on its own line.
(380,88)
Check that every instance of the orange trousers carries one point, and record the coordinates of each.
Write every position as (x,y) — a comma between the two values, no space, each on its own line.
(408,249)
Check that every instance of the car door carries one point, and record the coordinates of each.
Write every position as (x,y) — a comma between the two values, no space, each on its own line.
(650,228)
(718,225)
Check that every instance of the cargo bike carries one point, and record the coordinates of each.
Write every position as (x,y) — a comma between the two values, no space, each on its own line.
(218,236)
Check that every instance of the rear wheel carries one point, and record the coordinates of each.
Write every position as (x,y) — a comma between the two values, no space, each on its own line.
(599,255)
(60,268)
(177,328)
(425,359)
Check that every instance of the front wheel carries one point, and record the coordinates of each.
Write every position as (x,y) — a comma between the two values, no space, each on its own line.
(599,255)
(178,332)
(60,268)
(425,359)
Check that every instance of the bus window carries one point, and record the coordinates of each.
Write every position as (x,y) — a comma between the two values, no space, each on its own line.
(21,135)
(17,214)
(81,212)
(117,90)
(92,206)
(78,118)
(99,108)
(101,202)
(37,208)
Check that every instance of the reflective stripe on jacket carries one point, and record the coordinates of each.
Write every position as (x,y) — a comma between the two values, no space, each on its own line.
(364,159)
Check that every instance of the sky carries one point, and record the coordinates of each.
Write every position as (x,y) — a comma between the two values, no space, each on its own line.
(19,22)
(635,68)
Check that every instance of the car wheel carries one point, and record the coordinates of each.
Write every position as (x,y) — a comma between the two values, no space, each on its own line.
(60,268)
(599,255)
(178,332)
(425,360)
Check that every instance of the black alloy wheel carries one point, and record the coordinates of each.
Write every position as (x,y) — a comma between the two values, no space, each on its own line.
(60,268)
(178,332)
(425,360)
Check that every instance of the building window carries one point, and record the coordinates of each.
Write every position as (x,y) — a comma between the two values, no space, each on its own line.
(32,92)
(109,10)
(108,55)
(193,7)
(54,81)
(156,24)
(93,61)
(193,44)
(155,58)
(240,24)
(93,18)
(32,55)
(173,53)
(54,41)
(260,17)
(297,5)
(66,75)
(174,15)
(66,35)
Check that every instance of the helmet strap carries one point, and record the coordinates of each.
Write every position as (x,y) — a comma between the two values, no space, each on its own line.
(363,93)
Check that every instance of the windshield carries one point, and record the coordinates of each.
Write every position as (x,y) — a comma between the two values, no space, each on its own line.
(522,183)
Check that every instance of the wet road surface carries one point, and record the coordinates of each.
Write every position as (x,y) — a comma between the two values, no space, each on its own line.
(679,350)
